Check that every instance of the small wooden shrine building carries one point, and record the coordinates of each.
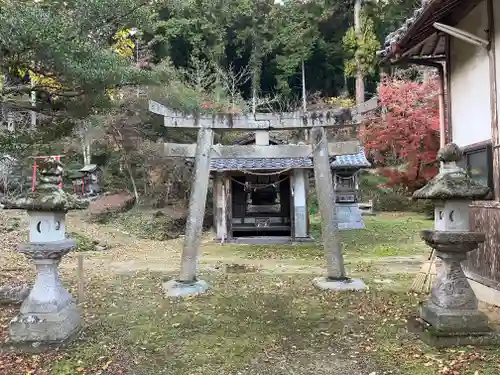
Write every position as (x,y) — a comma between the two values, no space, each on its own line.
(345,175)
(261,200)
(266,200)
(345,170)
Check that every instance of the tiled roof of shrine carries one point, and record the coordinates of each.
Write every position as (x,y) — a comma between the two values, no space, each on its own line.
(342,161)
(240,164)
(254,164)
(358,160)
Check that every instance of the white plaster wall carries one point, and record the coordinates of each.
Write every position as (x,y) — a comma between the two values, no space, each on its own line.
(470,87)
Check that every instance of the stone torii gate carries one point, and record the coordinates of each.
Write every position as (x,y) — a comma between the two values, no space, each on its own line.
(319,148)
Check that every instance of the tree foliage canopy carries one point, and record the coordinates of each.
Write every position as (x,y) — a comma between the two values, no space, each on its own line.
(64,46)
(273,39)
(404,136)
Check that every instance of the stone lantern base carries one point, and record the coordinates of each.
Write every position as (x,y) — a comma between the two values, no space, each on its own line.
(446,320)
(46,329)
(48,316)
(450,317)
(440,339)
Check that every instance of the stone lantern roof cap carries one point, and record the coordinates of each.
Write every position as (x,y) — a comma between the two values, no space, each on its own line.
(47,195)
(452,182)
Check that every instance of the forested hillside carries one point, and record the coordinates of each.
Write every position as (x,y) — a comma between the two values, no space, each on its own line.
(78,74)
(272,40)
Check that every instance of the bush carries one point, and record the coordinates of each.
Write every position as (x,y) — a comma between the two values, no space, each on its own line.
(159,224)
(83,243)
(11,224)
(389,199)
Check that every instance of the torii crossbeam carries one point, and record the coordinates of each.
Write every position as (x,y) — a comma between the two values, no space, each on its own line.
(319,148)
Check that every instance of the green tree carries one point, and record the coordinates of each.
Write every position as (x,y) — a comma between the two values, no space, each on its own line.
(67,47)
(362,48)
(272,40)
(297,36)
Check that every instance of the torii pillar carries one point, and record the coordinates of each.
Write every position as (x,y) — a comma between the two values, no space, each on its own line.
(187,283)
(336,278)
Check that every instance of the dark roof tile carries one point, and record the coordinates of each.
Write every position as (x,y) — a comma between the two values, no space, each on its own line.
(254,164)
(358,160)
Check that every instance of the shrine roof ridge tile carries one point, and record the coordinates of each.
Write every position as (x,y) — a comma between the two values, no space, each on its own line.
(358,160)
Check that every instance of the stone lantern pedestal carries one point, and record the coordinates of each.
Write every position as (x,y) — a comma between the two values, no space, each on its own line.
(48,315)
(450,317)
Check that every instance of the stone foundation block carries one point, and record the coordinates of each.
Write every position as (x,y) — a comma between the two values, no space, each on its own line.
(175,288)
(457,321)
(46,328)
(324,283)
(438,339)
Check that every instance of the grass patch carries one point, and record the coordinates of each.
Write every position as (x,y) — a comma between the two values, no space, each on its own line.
(385,235)
(247,317)
(83,242)
(155,224)
(251,324)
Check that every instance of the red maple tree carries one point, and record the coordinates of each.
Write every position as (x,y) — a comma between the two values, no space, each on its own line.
(403,136)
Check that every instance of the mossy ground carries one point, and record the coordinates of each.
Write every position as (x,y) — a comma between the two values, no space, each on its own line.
(256,322)
(388,234)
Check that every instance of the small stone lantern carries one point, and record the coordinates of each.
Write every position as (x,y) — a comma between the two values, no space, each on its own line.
(48,315)
(450,316)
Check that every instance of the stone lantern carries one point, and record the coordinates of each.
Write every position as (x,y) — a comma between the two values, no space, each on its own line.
(48,315)
(450,316)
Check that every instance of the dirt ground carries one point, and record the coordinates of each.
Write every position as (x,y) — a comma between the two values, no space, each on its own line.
(265,317)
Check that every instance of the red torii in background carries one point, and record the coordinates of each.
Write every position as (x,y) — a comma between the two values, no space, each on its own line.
(35,166)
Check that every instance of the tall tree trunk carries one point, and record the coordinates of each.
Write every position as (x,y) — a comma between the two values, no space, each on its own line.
(304,98)
(33,113)
(304,134)
(85,143)
(256,66)
(131,176)
(118,138)
(138,89)
(360,83)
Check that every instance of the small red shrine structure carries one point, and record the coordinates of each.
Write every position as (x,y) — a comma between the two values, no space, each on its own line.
(35,167)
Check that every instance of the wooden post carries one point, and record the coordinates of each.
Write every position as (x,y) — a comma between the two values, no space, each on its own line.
(299,200)
(495,137)
(219,204)
(442,109)
(81,281)
(442,118)
(326,200)
(228,206)
(197,202)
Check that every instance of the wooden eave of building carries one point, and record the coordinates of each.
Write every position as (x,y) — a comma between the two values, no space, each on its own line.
(418,39)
